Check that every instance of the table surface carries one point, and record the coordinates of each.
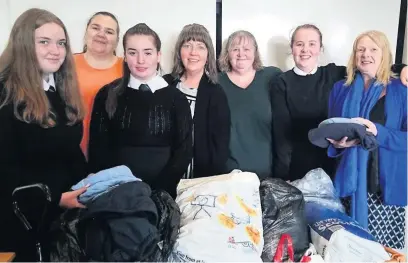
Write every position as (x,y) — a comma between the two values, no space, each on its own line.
(7,257)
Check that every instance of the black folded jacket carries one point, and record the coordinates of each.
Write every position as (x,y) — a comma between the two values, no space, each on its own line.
(337,131)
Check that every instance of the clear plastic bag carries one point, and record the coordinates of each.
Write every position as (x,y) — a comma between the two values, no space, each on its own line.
(317,187)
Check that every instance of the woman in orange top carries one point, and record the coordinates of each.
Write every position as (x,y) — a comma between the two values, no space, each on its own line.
(98,65)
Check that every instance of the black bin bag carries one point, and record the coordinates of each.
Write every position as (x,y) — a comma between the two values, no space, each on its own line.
(282,212)
(64,245)
(168,225)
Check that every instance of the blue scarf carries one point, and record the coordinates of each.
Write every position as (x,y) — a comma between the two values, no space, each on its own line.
(351,175)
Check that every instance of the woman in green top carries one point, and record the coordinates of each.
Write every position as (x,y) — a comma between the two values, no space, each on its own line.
(246,83)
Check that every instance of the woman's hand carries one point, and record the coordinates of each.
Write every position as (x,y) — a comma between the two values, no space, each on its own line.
(370,125)
(404,76)
(70,199)
(343,143)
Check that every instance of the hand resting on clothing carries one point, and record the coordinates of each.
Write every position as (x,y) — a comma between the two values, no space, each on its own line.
(404,76)
(70,199)
(370,125)
(343,143)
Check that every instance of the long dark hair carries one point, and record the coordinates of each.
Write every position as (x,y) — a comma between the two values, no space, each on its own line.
(139,29)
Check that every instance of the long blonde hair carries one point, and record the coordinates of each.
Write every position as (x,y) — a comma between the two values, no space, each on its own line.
(21,74)
(384,73)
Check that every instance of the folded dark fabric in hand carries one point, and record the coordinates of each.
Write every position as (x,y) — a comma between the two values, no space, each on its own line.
(337,131)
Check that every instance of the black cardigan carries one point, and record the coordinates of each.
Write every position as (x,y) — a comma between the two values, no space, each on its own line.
(212,122)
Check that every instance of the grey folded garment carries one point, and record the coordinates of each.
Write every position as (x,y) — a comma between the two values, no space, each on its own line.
(338,120)
(337,131)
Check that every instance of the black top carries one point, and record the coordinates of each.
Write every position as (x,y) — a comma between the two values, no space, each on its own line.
(299,104)
(31,154)
(149,132)
(211,128)
(377,115)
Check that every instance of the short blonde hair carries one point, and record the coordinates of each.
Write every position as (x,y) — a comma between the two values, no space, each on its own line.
(237,37)
(384,73)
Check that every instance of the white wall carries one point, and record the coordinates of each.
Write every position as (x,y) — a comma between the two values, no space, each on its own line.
(4,23)
(165,17)
(271,22)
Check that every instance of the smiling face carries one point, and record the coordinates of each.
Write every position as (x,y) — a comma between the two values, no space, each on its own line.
(101,35)
(306,49)
(194,56)
(50,47)
(368,56)
(242,54)
(142,56)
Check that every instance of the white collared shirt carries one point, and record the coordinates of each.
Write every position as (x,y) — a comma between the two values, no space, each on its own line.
(300,72)
(155,83)
(51,82)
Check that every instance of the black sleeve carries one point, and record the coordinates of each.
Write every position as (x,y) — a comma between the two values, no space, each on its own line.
(100,134)
(75,170)
(336,72)
(14,175)
(11,174)
(341,71)
(170,79)
(182,147)
(79,166)
(282,130)
(397,68)
(220,124)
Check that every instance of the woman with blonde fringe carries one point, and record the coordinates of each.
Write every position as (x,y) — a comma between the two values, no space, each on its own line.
(374,182)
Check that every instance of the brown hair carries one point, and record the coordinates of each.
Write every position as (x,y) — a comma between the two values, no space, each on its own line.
(195,32)
(306,26)
(238,36)
(22,77)
(139,29)
(103,13)
(384,73)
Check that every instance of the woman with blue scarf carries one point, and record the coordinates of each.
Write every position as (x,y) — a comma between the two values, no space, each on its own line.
(375,182)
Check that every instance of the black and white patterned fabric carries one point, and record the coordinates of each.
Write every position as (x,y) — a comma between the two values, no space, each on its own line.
(189,174)
(385,222)
(191,95)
